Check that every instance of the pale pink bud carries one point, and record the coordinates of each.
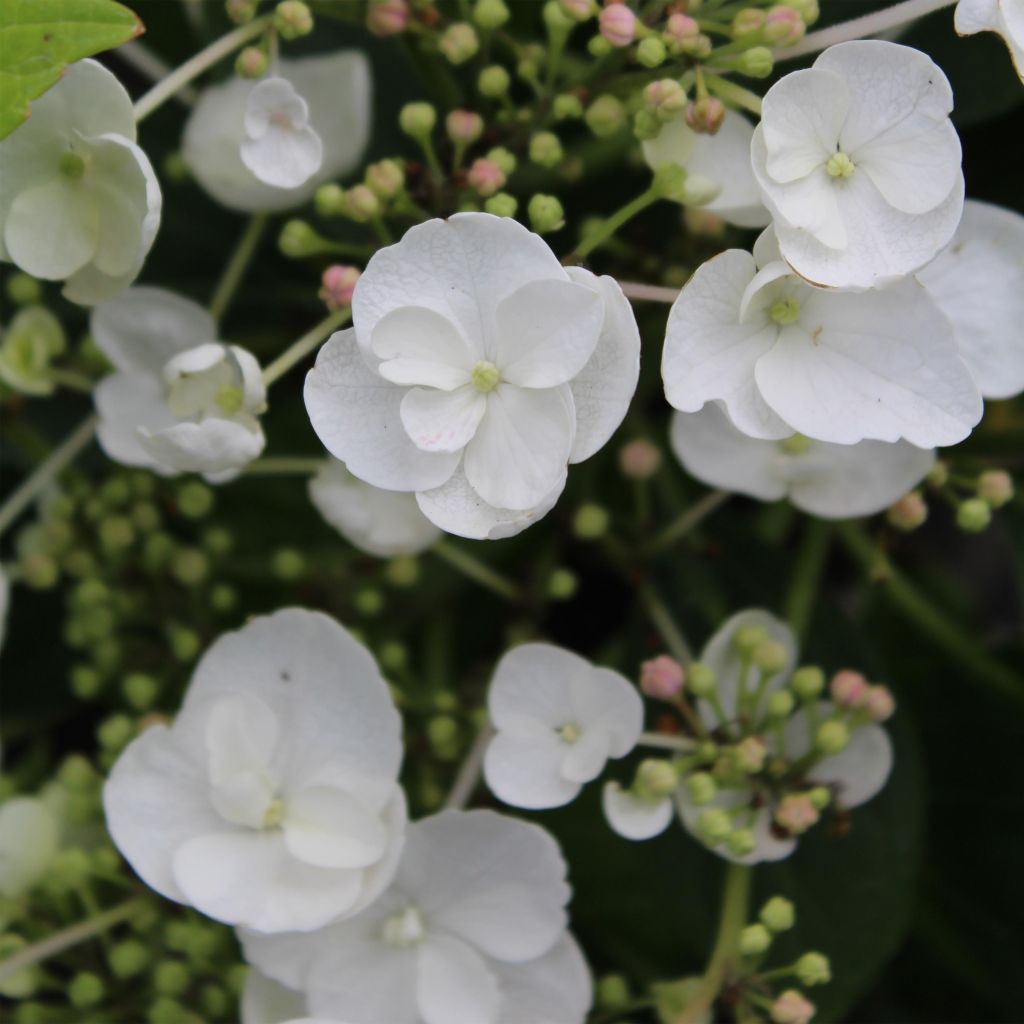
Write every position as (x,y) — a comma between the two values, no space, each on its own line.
(996,487)
(665,97)
(706,115)
(639,460)
(678,31)
(783,26)
(464,126)
(748,21)
(618,24)
(792,1008)
(796,813)
(485,177)
(338,283)
(578,10)
(848,688)
(908,513)
(879,703)
(662,677)
(387,17)
(703,222)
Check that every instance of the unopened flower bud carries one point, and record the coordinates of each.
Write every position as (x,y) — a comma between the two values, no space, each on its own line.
(714,826)
(639,460)
(612,992)
(665,97)
(546,214)
(749,755)
(669,181)
(796,814)
(503,158)
(605,116)
(241,12)
(662,678)
(651,52)
(292,19)
(808,682)
(703,223)
(337,285)
(807,9)
(417,119)
(754,940)
(747,22)
(973,515)
(679,31)
(493,82)
(938,475)
(128,958)
(780,704)
(459,42)
(646,125)
(783,26)
(385,179)
(747,639)
(655,778)
(545,149)
(908,513)
(23,290)
(879,703)
(85,990)
(566,107)
(705,115)
(757,62)
(598,46)
(700,679)
(298,239)
(995,486)
(502,205)
(562,584)
(848,688)
(288,564)
(361,204)
(740,842)
(778,914)
(490,14)
(618,24)
(485,177)
(820,797)
(791,1008)
(813,969)
(251,62)
(464,126)
(387,17)
(701,788)
(578,10)
(590,522)
(770,656)
(329,200)
(832,737)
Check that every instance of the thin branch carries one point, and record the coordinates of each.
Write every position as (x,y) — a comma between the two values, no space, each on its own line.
(648,292)
(468,777)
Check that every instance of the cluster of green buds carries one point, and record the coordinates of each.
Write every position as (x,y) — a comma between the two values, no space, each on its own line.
(974,498)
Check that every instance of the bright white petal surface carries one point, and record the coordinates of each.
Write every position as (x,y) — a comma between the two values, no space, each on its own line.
(633,818)
(556,988)
(442,421)
(355,413)
(454,984)
(879,366)
(527,772)
(978,282)
(418,346)
(284,158)
(212,447)
(125,402)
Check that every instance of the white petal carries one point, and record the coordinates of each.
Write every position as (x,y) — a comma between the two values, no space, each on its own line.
(355,413)
(585,759)
(528,773)
(418,346)
(53,229)
(214,446)
(125,402)
(532,680)
(371,983)
(454,985)
(976,16)
(442,421)
(329,828)
(767,846)
(603,699)
(553,989)
(265,1001)
(269,97)
(522,445)
(284,158)
(633,818)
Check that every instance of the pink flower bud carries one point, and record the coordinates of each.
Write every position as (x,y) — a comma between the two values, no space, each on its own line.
(848,688)
(618,24)
(662,677)
(792,1008)
(706,115)
(796,813)
(387,17)
(748,21)
(783,26)
(703,222)
(664,97)
(996,487)
(879,703)
(338,284)
(909,512)
(639,460)
(464,126)
(678,31)
(485,177)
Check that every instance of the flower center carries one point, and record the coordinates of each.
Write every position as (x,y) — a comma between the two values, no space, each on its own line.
(404,929)
(840,166)
(71,165)
(785,311)
(281,119)
(795,445)
(569,733)
(229,399)
(275,813)
(485,376)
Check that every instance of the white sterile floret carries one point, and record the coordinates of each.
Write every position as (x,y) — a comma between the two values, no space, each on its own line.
(257,174)
(379,522)
(721,160)
(79,201)
(784,358)
(978,282)
(635,816)
(833,481)
(859,164)
(472,931)
(1003,16)
(272,800)
(280,147)
(476,370)
(179,401)
(558,720)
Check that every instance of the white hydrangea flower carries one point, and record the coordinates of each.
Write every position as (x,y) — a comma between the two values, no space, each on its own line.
(1003,16)
(784,357)
(859,164)
(179,401)
(272,800)
(337,89)
(634,817)
(79,201)
(29,840)
(833,481)
(476,369)
(978,282)
(471,931)
(280,147)
(558,720)
(381,523)
(722,160)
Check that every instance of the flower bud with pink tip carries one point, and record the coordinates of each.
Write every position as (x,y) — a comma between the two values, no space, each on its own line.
(706,115)
(639,460)
(879,703)
(618,24)
(783,26)
(908,513)
(337,285)
(485,177)
(578,10)
(665,98)
(679,31)
(748,21)
(796,813)
(464,127)
(662,678)
(387,17)
(848,688)
(792,1008)
(995,486)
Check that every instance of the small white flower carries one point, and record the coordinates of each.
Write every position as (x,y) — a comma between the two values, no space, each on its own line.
(29,839)
(1003,16)
(859,164)
(476,369)
(722,159)
(784,358)
(833,481)
(79,201)
(978,282)
(636,817)
(179,402)
(379,522)
(558,720)
(337,90)
(272,800)
(280,147)
(472,931)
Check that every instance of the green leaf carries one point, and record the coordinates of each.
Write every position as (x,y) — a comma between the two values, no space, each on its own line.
(39,38)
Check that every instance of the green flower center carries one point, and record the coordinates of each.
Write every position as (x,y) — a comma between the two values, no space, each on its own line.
(840,166)
(785,311)
(569,733)
(795,445)
(275,813)
(229,399)
(71,165)
(485,376)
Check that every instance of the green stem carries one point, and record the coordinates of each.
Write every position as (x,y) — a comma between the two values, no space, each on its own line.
(665,624)
(687,521)
(300,349)
(468,777)
(612,224)
(274,465)
(734,93)
(71,379)
(803,587)
(477,571)
(664,742)
(237,265)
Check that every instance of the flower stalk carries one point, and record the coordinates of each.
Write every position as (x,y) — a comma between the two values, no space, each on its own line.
(298,351)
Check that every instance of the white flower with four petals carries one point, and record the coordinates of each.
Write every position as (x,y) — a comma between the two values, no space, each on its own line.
(280,146)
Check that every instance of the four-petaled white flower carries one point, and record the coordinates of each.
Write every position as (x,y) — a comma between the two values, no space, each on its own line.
(978,282)
(272,800)
(337,89)
(721,160)
(471,932)
(476,370)
(859,164)
(79,201)
(179,402)
(379,522)
(280,147)
(1003,16)
(833,481)
(784,357)
(558,720)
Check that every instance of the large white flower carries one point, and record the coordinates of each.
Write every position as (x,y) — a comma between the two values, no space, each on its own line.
(722,159)
(379,522)
(280,147)
(476,369)
(1003,16)
(859,164)
(272,800)
(471,932)
(337,90)
(79,201)
(784,358)
(558,720)
(978,282)
(834,481)
(179,401)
